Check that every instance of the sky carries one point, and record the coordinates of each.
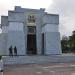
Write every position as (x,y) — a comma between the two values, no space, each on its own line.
(65,9)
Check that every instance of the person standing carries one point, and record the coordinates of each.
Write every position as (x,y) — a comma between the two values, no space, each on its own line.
(15,51)
(10,51)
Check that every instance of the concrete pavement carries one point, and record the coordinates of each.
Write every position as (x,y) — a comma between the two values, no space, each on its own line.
(41,69)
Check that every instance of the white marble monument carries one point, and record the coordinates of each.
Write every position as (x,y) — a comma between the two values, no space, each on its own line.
(30,32)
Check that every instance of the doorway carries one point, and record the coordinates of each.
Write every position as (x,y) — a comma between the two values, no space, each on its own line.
(31,44)
(43,43)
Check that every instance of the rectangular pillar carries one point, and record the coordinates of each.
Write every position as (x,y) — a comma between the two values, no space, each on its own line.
(52,43)
(16,37)
(39,38)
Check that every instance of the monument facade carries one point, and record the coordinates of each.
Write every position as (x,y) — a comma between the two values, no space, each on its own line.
(30,32)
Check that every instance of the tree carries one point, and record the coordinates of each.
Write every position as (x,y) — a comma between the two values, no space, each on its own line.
(72,41)
(64,44)
(68,43)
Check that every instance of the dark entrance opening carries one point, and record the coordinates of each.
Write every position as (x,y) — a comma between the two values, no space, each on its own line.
(31,44)
(43,43)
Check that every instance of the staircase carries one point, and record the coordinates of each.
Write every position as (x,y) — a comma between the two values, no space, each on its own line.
(38,59)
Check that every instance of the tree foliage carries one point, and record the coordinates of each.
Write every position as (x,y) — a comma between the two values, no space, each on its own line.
(68,43)
(64,44)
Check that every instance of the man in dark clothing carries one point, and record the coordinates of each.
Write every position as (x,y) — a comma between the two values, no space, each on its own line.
(10,51)
(15,51)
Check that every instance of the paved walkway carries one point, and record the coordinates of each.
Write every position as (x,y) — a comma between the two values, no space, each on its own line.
(41,69)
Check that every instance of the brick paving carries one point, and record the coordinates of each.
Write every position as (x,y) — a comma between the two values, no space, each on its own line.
(41,69)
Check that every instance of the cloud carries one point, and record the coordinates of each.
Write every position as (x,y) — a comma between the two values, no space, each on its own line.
(66,10)
(6,5)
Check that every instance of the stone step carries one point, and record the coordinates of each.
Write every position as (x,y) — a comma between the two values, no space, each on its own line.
(37,59)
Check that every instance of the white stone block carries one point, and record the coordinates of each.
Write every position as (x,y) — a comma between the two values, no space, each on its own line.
(52,43)
(15,26)
(50,28)
(51,19)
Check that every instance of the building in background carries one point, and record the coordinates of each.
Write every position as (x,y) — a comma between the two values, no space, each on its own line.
(30,32)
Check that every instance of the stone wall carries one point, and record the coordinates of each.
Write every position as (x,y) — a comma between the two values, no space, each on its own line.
(38,59)
(52,43)
(16,37)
